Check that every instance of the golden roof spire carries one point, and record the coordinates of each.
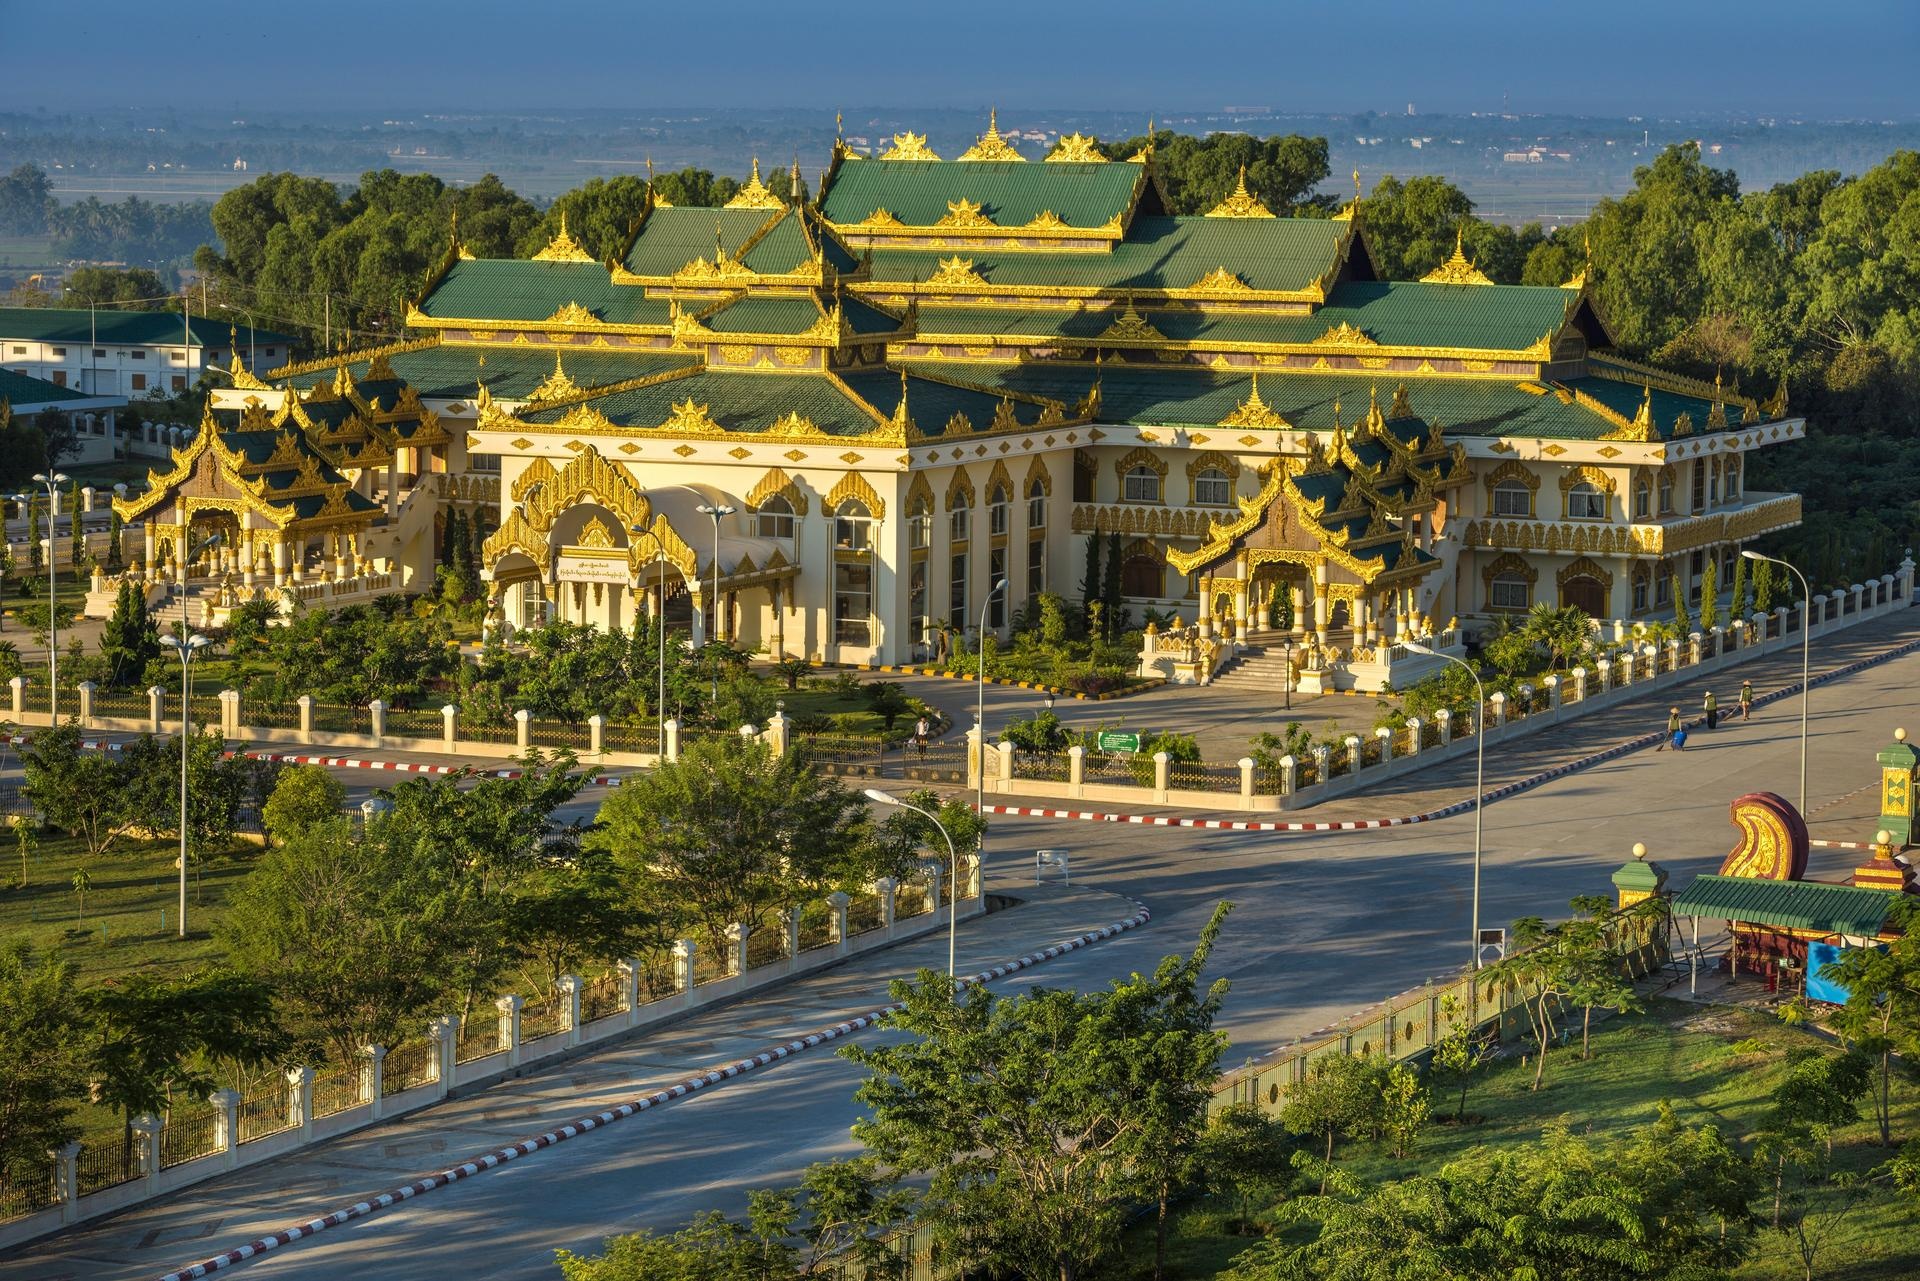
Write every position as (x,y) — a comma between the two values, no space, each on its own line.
(1717,416)
(1457,270)
(1776,405)
(1241,203)
(755,195)
(909,146)
(991,145)
(1402,407)
(563,247)
(1254,412)
(1077,148)
(557,385)
(1090,403)
(901,418)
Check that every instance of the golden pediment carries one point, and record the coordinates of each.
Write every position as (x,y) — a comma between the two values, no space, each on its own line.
(879,218)
(964,213)
(595,534)
(722,269)
(1221,281)
(1076,148)
(956,271)
(556,385)
(1132,326)
(793,423)
(991,145)
(1240,203)
(1457,270)
(754,195)
(572,313)
(563,247)
(1046,220)
(909,146)
(1254,412)
(689,417)
(1345,335)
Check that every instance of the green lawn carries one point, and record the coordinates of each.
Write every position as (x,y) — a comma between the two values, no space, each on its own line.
(1715,1065)
(134,886)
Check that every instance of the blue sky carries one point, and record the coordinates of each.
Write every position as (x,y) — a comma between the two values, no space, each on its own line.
(1836,58)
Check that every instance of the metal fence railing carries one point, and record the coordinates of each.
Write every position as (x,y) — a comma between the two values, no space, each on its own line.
(189,1135)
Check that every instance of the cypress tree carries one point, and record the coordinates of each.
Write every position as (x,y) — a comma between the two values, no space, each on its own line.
(130,639)
(1680,618)
(34,552)
(1737,606)
(77,550)
(1110,590)
(1709,596)
(116,528)
(1763,586)
(1090,578)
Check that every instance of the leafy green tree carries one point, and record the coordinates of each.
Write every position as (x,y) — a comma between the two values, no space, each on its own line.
(1564,632)
(42,1074)
(1460,1051)
(1339,1098)
(1091,578)
(130,639)
(1709,596)
(304,796)
(26,198)
(1197,173)
(1041,735)
(217,787)
(1737,600)
(1763,587)
(1412,225)
(82,882)
(1243,1154)
(1881,1016)
(887,701)
(602,213)
(791,670)
(564,915)
(1681,621)
(732,832)
(1593,971)
(1820,1093)
(79,791)
(1110,599)
(1405,1105)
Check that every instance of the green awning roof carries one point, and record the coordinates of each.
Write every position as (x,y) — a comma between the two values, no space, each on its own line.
(1797,905)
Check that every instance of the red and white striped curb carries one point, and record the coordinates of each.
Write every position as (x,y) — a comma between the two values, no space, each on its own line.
(1458,807)
(403,767)
(1841,845)
(659,1098)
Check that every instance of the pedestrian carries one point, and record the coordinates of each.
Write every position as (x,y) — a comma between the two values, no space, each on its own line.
(1675,735)
(1746,699)
(1711,706)
(920,731)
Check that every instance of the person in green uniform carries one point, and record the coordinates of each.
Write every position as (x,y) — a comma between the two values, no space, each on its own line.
(1746,699)
(1675,735)
(1711,706)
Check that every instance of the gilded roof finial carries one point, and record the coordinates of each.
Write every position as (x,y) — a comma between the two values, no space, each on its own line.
(901,418)
(1356,183)
(563,247)
(1643,419)
(1717,416)
(837,125)
(1457,270)
(991,145)
(1241,203)
(1776,404)
(1090,403)
(755,194)
(1402,407)
(793,180)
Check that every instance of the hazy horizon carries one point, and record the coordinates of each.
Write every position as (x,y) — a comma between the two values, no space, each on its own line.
(1847,60)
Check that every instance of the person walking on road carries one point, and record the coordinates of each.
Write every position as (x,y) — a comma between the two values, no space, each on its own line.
(1675,734)
(920,731)
(1746,699)
(1711,706)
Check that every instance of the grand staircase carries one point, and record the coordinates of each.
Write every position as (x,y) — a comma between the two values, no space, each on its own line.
(1257,669)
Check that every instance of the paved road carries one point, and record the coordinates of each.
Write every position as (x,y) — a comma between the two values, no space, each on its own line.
(1324,924)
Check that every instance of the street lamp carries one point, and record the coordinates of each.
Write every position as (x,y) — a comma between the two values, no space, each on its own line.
(227,306)
(186,647)
(980,723)
(1806,635)
(1479,772)
(715,510)
(660,622)
(879,797)
(51,484)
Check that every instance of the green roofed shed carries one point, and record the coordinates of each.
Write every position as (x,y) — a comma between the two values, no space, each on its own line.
(1788,905)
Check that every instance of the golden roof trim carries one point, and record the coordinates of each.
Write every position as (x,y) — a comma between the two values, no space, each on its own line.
(909,146)
(563,247)
(754,194)
(991,145)
(1457,270)
(1254,412)
(1240,203)
(1077,148)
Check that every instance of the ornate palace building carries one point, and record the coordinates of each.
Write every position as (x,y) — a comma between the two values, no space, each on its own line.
(857,414)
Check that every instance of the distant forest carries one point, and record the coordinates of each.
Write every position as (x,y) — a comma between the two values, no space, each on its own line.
(1815,281)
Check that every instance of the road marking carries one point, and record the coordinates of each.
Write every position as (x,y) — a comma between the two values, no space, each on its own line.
(700,1081)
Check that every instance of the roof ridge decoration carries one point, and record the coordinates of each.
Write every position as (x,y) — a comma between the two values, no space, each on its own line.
(1457,270)
(1241,203)
(956,271)
(1089,406)
(1344,335)
(991,145)
(909,146)
(901,418)
(563,247)
(755,194)
(1046,220)
(1254,412)
(1132,326)
(1220,281)
(689,417)
(556,386)
(1077,148)
(1776,404)
(1402,407)
(571,313)
(1640,430)
(964,213)
(1717,416)
(243,378)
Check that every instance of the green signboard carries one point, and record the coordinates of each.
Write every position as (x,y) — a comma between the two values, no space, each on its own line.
(1119,740)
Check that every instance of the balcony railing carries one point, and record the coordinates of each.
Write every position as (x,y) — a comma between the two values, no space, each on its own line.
(1757,514)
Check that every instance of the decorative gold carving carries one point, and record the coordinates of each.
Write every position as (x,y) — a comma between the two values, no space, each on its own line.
(1254,412)
(792,423)
(685,451)
(991,145)
(1507,566)
(876,220)
(1241,203)
(964,213)
(1037,473)
(736,353)
(572,313)
(556,386)
(1599,479)
(956,271)
(595,534)
(1132,327)
(754,195)
(1046,220)
(1457,270)
(1776,404)
(1078,149)
(854,485)
(1221,281)
(909,146)
(793,357)
(689,417)
(563,247)
(1345,335)
(1583,567)
(1004,418)
(777,483)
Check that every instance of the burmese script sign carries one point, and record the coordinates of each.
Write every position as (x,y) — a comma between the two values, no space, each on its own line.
(576,568)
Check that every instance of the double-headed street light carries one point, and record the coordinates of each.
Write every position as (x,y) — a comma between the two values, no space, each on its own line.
(715,510)
(186,647)
(51,483)
(879,797)
(1806,635)
(1479,771)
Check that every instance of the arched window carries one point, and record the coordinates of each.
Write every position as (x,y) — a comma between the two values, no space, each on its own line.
(1036,506)
(1732,466)
(1141,485)
(850,521)
(957,515)
(1212,488)
(1642,498)
(920,523)
(1713,483)
(775,518)
(1511,498)
(1509,591)
(1586,502)
(997,510)
(1142,576)
(1642,585)
(1666,493)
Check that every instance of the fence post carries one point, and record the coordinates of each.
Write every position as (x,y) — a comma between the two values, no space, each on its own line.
(1289,774)
(837,928)
(934,874)
(1246,780)
(1322,763)
(975,765)
(86,689)
(684,951)
(1444,719)
(570,991)
(1552,684)
(790,924)
(1385,736)
(1693,649)
(1414,726)
(448,714)
(19,686)
(1497,702)
(226,1129)
(66,1180)
(509,1007)
(1718,635)
(736,949)
(1076,768)
(306,717)
(154,696)
(777,732)
(523,729)
(886,889)
(443,1034)
(372,1073)
(1004,750)
(149,1127)
(377,712)
(596,735)
(230,711)
(630,971)
(1160,762)
(300,1102)
(1356,758)
(672,746)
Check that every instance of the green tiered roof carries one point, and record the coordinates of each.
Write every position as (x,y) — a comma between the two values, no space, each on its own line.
(1012,194)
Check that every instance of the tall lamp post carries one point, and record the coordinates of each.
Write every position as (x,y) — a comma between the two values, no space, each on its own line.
(51,483)
(1806,636)
(715,510)
(660,622)
(879,797)
(1479,772)
(251,341)
(186,647)
(980,723)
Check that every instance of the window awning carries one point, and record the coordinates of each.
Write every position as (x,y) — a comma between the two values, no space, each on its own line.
(1794,905)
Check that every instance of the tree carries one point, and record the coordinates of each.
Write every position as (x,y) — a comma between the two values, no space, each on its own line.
(791,670)
(1737,603)
(1338,1098)
(42,1078)
(82,882)
(1763,587)
(1110,590)
(82,792)
(26,197)
(1563,632)
(1244,1153)
(1197,173)
(602,213)
(887,701)
(563,915)
(732,832)
(1592,965)
(26,840)
(1041,735)
(217,786)
(304,796)
(1709,596)
(1536,972)
(1404,1106)
(1030,1116)
(1091,578)
(130,640)
(1819,1094)
(904,839)
(1680,619)
(1882,1014)
(1460,1052)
